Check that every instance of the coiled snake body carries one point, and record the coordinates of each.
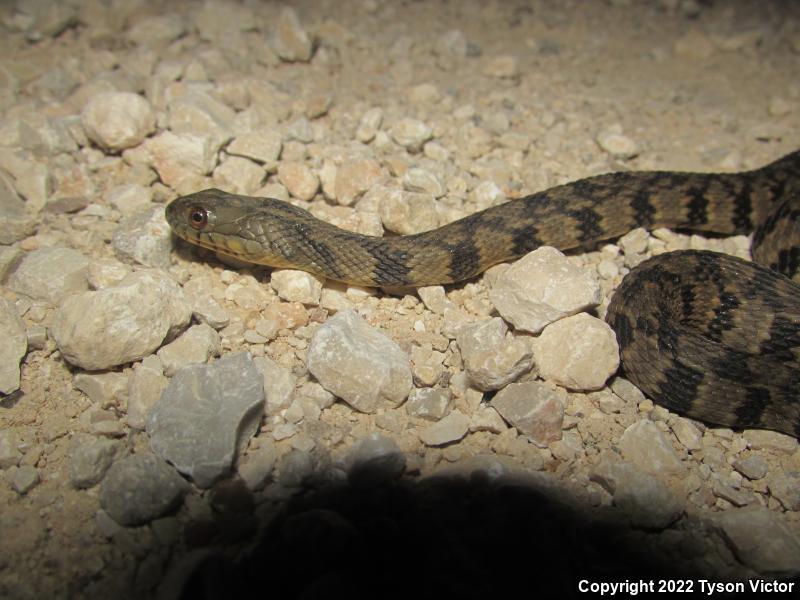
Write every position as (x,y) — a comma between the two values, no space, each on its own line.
(707,335)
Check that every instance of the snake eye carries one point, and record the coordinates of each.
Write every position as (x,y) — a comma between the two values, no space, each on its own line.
(198,217)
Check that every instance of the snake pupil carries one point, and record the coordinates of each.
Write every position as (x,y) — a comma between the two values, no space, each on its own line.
(198,217)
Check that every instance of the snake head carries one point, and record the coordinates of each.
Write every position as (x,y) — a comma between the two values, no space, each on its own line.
(246,228)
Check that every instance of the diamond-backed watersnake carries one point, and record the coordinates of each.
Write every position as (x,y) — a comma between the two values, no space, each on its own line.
(708,335)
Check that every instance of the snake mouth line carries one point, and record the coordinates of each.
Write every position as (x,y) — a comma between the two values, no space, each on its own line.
(204,240)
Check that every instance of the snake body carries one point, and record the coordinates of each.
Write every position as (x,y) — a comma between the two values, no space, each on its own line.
(709,336)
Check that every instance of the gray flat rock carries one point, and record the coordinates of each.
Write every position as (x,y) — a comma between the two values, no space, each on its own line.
(203,415)
(140,488)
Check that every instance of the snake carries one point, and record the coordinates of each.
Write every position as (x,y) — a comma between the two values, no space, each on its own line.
(707,335)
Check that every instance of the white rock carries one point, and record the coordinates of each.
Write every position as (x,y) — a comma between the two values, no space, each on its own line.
(411,133)
(279,384)
(534,409)
(421,180)
(13,345)
(688,435)
(239,175)
(429,403)
(617,144)
(145,386)
(50,274)
(761,539)
(359,364)
(407,213)
(106,272)
(301,181)
(195,345)
(579,352)
(257,467)
(542,287)
(144,238)
(369,124)
(198,113)
(354,177)
(646,446)
(644,499)
(296,286)
(179,158)
(451,428)
(434,298)
(130,198)
(262,145)
(118,120)
(290,41)
(102,329)
(491,359)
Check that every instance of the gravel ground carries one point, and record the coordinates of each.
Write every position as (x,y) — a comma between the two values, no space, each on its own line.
(174,422)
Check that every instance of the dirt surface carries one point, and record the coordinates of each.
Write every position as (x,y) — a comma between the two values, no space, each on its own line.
(699,86)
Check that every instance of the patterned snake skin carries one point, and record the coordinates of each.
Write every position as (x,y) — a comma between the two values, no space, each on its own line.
(706,335)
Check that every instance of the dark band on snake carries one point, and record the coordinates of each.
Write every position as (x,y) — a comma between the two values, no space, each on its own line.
(707,335)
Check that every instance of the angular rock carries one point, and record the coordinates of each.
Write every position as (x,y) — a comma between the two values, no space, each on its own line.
(145,386)
(753,467)
(205,413)
(279,384)
(411,133)
(451,428)
(646,446)
(198,113)
(761,539)
(195,345)
(102,329)
(144,238)
(296,286)
(423,181)
(369,125)
(182,158)
(140,488)
(15,223)
(406,213)
(9,449)
(491,359)
(354,177)
(50,274)
(579,352)
(617,144)
(89,461)
(359,364)
(645,500)
(262,145)
(130,198)
(374,460)
(106,390)
(301,181)
(13,345)
(106,272)
(257,468)
(25,478)
(239,175)
(534,409)
(785,487)
(290,40)
(118,120)
(156,31)
(758,439)
(429,403)
(688,435)
(542,287)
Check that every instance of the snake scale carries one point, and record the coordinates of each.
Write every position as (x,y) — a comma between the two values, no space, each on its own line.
(707,335)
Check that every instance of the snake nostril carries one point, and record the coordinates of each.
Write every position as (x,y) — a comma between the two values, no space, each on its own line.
(198,217)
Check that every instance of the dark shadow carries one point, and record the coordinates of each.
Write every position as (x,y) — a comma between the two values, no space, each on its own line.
(440,537)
